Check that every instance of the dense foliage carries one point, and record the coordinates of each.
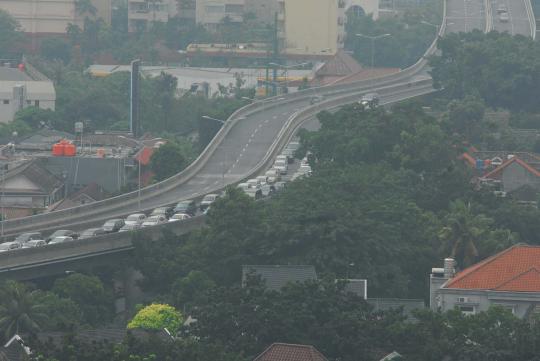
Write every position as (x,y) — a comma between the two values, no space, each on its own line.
(157,317)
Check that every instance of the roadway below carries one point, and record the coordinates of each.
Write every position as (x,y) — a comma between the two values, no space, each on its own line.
(518,20)
(465,15)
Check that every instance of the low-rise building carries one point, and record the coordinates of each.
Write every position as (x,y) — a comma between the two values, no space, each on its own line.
(510,279)
(19,90)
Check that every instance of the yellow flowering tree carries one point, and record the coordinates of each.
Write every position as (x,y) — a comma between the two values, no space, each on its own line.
(156,317)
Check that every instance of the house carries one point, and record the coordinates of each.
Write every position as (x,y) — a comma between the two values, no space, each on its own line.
(277,276)
(28,188)
(290,352)
(15,350)
(509,279)
(89,194)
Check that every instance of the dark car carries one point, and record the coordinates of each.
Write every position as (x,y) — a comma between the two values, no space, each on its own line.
(163,211)
(187,207)
(28,236)
(92,232)
(113,225)
(63,233)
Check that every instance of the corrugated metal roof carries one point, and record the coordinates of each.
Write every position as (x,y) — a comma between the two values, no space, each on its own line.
(290,352)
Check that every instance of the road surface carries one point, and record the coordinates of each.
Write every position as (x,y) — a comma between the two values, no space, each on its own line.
(518,21)
(465,15)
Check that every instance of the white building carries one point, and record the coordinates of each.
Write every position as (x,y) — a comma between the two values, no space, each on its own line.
(18,91)
(52,16)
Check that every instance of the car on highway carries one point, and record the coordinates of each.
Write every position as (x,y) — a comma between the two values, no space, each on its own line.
(35,243)
(272,175)
(9,246)
(503,17)
(179,217)
(61,239)
(502,9)
(28,236)
(188,207)
(154,221)
(255,193)
(289,152)
(208,200)
(92,232)
(62,232)
(370,100)
(130,227)
(166,211)
(113,225)
(316,99)
(135,218)
(253,183)
(282,166)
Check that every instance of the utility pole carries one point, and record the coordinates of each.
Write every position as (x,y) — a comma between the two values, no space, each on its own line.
(275,54)
(134,123)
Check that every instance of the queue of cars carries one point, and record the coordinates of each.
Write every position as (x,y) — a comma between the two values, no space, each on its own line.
(181,211)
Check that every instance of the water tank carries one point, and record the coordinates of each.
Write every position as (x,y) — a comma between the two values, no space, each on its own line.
(58,149)
(70,150)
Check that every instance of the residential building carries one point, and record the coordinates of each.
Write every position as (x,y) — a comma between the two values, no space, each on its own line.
(18,90)
(290,352)
(52,16)
(263,10)
(29,188)
(314,27)
(510,279)
(211,13)
(142,13)
(277,276)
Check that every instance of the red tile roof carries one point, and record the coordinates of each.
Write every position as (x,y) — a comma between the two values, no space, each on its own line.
(515,269)
(144,155)
(496,171)
(290,352)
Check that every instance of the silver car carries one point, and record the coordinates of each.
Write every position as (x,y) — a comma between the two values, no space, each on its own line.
(35,243)
(9,246)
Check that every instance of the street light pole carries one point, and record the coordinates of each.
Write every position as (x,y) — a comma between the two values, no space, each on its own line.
(373,38)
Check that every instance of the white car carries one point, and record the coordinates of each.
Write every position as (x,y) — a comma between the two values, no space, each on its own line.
(179,217)
(253,183)
(282,166)
(243,186)
(282,157)
(154,221)
(262,179)
(208,200)
(61,239)
(272,175)
(35,243)
(136,218)
(503,17)
(9,246)
(130,227)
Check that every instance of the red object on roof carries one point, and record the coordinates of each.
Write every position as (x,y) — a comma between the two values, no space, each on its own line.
(516,269)
(144,155)
(496,172)
(290,352)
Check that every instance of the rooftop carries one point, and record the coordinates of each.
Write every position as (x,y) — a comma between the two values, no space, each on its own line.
(12,74)
(290,352)
(277,276)
(516,269)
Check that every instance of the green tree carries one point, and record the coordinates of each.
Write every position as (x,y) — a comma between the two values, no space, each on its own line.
(157,317)
(56,49)
(95,302)
(167,161)
(19,311)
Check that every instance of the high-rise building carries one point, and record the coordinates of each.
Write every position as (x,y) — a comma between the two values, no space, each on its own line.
(53,16)
(311,27)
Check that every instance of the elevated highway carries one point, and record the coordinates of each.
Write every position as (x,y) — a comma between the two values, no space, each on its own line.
(521,19)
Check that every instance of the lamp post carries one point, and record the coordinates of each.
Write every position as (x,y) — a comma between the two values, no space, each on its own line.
(287,67)
(373,38)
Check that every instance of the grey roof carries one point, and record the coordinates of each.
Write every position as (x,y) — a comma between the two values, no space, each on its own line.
(387,304)
(32,170)
(277,276)
(12,74)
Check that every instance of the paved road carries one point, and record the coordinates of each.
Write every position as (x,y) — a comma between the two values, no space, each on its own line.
(518,20)
(465,15)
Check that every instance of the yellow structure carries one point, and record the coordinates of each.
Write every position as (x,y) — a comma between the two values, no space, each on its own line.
(51,16)
(311,27)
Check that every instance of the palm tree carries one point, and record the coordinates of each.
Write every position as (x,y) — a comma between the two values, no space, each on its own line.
(18,311)
(462,231)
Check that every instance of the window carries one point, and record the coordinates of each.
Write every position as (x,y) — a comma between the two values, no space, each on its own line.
(467,310)
(214,9)
(233,8)
(36,103)
(5,101)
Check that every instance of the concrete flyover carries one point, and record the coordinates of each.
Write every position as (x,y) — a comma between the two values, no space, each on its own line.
(466,15)
(520,17)
(246,144)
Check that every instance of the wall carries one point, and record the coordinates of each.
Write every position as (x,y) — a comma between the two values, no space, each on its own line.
(264,10)
(211,12)
(311,26)
(40,93)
